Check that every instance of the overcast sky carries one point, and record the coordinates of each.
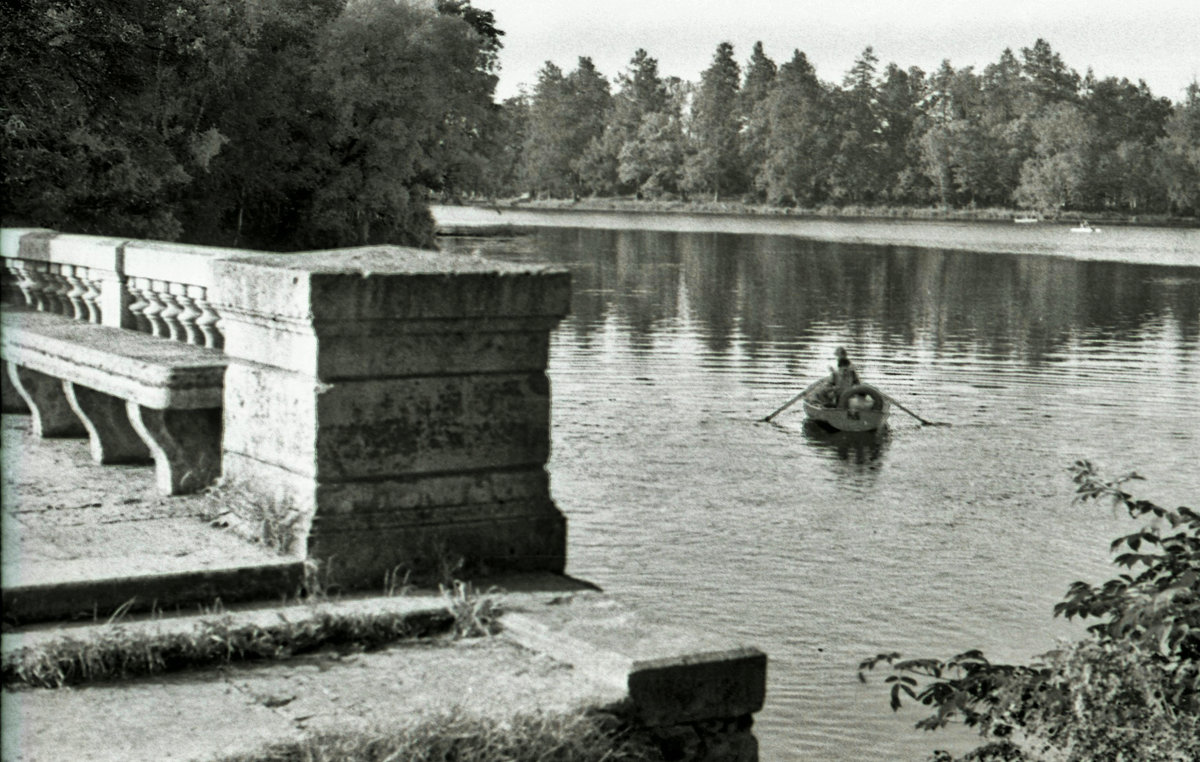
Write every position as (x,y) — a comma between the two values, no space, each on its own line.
(1154,40)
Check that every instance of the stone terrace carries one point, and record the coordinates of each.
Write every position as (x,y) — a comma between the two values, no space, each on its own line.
(190,427)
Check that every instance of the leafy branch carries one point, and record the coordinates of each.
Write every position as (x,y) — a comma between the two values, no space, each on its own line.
(1130,691)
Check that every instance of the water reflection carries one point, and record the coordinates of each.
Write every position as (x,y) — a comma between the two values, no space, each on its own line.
(823,548)
(775,288)
(862,449)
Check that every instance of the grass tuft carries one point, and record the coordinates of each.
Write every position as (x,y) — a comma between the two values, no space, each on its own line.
(584,736)
(121,653)
(474,614)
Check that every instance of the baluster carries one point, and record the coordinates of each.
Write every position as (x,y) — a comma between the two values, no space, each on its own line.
(10,286)
(208,322)
(24,283)
(40,286)
(154,307)
(56,291)
(171,312)
(93,289)
(75,277)
(187,317)
(137,304)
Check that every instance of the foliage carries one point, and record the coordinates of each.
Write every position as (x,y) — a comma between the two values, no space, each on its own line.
(1179,161)
(714,166)
(1027,131)
(566,115)
(280,124)
(1131,691)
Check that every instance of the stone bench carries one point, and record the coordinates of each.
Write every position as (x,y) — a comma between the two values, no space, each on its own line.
(136,397)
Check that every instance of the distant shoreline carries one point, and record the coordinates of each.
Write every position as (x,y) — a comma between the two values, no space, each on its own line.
(738,208)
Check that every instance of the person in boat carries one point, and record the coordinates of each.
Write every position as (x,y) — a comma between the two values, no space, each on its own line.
(841,378)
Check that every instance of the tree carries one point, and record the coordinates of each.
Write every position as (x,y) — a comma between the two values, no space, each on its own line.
(1130,691)
(799,134)
(642,100)
(1049,80)
(271,127)
(1128,121)
(1179,166)
(756,88)
(282,124)
(899,99)
(1056,177)
(714,165)
(409,91)
(89,144)
(856,172)
(566,116)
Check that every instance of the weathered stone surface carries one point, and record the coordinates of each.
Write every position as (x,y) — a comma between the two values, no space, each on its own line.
(11,400)
(64,599)
(387,311)
(361,531)
(389,407)
(387,283)
(185,444)
(380,349)
(111,438)
(673,675)
(133,366)
(384,427)
(699,686)
(43,394)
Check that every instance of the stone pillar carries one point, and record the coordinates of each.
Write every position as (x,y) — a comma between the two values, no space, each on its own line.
(389,407)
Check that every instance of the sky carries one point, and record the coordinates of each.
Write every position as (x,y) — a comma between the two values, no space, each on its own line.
(1154,40)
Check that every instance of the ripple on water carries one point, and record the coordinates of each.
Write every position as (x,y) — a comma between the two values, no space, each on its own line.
(824,550)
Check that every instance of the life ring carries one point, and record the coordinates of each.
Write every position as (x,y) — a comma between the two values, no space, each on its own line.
(864,389)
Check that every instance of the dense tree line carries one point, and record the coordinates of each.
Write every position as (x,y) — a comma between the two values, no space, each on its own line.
(1027,131)
(278,124)
(289,124)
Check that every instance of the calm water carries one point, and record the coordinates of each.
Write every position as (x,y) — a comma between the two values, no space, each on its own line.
(823,549)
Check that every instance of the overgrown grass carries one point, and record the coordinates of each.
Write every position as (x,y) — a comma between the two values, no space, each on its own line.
(121,652)
(585,736)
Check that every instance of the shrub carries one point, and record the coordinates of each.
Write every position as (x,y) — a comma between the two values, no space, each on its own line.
(1131,691)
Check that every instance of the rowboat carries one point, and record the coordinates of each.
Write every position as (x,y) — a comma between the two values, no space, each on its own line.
(1025,220)
(1085,228)
(859,408)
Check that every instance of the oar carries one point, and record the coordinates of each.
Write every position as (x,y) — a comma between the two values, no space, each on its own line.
(896,402)
(793,400)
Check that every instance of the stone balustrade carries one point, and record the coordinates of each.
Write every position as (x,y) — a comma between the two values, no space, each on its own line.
(383,408)
(168,291)
(148,286)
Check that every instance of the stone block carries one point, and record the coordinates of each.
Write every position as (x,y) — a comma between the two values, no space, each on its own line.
(672,675)
(111,436)
(386,283)
(378,428)
(361,532)
(389,407)
(393,349)
(698,686)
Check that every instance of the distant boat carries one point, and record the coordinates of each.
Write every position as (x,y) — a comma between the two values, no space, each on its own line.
(1085,228)
(1025,220)
(859,408)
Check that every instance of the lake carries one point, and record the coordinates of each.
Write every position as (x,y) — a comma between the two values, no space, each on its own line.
(1041,347)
